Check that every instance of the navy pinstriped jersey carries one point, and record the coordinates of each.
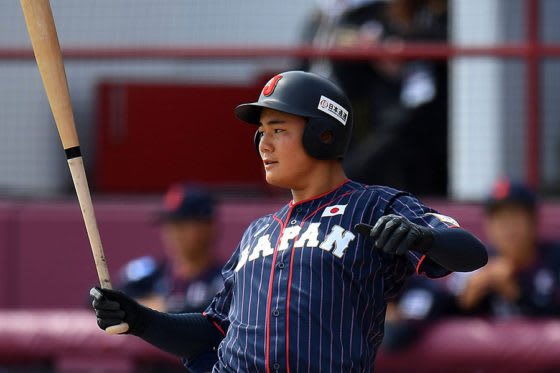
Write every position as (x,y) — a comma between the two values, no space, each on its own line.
(304,292)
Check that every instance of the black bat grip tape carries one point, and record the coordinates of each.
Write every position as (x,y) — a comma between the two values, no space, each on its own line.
(73,152)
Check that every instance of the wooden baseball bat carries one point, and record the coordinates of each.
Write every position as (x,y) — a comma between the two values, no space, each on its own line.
(42,32)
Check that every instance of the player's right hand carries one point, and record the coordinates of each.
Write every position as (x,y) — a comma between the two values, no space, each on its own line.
(114,307)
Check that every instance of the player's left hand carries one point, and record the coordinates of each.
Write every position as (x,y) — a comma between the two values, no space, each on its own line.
(395,234)
(114,307)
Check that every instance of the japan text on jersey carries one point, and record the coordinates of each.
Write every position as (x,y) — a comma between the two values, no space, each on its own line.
(305,292)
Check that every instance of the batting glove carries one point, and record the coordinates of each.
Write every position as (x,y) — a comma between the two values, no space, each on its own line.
(114,307)
(395,234)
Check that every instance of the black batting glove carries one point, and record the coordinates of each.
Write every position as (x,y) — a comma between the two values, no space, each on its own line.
(395,234)
(113,307)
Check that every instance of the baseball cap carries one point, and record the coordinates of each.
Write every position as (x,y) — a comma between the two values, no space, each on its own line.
(507,191)
(186,202)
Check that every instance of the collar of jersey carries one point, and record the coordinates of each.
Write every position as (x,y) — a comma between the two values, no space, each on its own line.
(292,204)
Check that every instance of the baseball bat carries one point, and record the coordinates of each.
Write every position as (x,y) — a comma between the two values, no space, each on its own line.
(44,38)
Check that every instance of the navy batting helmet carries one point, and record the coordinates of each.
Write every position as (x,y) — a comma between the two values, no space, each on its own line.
(322,103)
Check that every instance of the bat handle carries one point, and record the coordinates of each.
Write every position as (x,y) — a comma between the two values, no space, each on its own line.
(78,173)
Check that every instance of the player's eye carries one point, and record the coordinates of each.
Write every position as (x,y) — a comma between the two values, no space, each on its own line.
(278,130)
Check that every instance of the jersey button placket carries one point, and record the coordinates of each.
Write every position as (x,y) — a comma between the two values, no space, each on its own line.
(277,322)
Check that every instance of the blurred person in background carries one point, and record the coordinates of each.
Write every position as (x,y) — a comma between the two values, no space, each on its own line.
(400,136)
(522,278)
(186,277)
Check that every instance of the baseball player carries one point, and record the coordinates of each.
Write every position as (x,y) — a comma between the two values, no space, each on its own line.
(522,277)
(307,286)
(187,277)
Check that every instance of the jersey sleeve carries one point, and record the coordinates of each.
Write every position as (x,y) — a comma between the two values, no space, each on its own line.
(396,271)
(412,209)
(218,309)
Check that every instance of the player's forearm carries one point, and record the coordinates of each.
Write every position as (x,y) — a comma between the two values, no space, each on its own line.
(185,335)
(457,250)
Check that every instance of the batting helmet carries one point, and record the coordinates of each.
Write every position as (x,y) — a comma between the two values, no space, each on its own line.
(323,104)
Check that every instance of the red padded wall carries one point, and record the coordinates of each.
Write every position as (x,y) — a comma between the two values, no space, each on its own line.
(8,253)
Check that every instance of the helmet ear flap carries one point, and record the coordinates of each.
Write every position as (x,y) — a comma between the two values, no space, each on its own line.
(257,141)
(322,140)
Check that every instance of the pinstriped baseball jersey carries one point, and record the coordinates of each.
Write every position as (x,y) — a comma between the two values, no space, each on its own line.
(304,292)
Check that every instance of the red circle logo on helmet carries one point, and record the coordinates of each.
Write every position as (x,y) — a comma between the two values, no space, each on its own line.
(269,87)
(324,103)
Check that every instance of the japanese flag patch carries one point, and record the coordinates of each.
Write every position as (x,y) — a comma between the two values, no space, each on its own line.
(333,210)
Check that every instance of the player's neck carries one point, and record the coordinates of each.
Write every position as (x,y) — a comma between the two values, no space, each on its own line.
(325,179)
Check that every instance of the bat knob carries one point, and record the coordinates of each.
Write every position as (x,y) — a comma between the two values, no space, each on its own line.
(117,329)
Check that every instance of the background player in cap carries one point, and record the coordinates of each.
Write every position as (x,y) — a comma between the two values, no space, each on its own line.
(186,277)
(307,286)
(523,274)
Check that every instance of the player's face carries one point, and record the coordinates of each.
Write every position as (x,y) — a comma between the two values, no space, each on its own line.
(512,230)
(285,161)
(185,240)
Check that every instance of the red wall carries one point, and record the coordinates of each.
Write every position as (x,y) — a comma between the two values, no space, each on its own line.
(8,253)
(46,262)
